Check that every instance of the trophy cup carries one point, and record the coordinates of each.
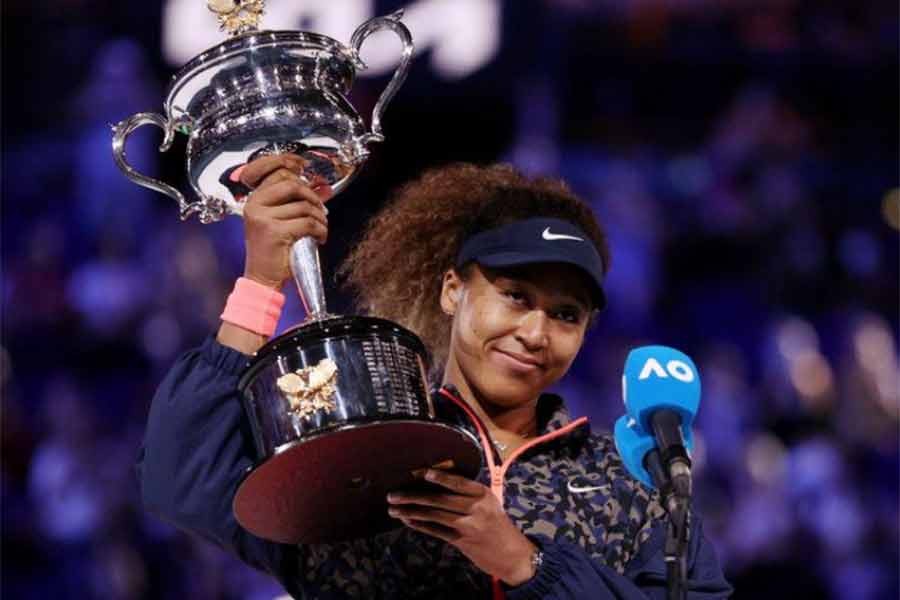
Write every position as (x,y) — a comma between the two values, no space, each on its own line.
(338,406)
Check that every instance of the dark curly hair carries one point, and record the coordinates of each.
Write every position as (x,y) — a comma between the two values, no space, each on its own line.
(396,270)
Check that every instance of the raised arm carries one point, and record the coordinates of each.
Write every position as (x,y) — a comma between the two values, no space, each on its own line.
(198,445)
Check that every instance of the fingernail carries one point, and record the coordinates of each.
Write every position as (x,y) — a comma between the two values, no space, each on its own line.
(236,174)
(393,512)
(430,475)
(391,497)
(325,208)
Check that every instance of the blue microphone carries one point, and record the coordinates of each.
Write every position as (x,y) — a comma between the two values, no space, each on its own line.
(661,389)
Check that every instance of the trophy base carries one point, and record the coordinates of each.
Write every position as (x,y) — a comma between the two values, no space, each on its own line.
(333,486)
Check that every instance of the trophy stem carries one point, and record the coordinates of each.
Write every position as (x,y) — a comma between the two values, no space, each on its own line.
(308,277)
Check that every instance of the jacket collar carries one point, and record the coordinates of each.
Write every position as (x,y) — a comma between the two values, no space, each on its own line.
(552,414)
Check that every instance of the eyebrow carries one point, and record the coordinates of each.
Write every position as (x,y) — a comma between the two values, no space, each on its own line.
(571,302)
(581,301)
(567,300)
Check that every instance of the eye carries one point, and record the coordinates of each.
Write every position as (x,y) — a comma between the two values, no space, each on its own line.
(516,296)
(567,315)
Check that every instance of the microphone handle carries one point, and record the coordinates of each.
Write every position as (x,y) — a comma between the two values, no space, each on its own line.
(666,425)
(658,473)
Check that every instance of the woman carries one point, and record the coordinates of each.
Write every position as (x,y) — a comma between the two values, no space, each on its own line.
(501,277)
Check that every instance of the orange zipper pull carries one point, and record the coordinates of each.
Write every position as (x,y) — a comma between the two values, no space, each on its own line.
(496,477)
(497,483)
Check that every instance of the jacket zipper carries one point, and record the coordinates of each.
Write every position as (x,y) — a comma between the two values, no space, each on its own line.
(498,474)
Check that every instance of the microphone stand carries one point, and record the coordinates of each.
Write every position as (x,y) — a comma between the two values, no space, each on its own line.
(677,499)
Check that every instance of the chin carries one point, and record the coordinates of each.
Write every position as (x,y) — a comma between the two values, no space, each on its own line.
(507,392)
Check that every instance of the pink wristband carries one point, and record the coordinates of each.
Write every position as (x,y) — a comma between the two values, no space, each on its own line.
(254,307)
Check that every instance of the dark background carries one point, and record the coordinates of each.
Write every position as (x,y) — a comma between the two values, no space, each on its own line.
(742,155)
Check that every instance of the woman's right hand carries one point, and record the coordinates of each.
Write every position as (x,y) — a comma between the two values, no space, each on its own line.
(281,210)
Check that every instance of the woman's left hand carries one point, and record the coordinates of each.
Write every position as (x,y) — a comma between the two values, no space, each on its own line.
(470,517)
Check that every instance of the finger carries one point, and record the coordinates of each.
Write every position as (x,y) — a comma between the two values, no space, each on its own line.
(282,192)
(450,502)
(278,175)
(431,515)
(298,210)
(257,170)
(455,483)
(299,228)
(442,533)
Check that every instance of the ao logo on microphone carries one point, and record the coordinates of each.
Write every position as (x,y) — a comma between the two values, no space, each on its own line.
(678,369)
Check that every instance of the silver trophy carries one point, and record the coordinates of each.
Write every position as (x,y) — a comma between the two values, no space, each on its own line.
(338,406)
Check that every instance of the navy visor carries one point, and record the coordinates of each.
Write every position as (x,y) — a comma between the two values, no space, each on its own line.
(537,240)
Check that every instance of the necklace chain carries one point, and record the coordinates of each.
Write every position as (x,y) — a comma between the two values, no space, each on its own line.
(502,448)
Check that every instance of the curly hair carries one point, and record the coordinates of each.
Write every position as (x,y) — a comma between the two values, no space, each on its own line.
(396,270)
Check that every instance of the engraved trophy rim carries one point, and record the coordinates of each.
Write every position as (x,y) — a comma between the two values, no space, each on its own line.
(332,326)
(249,41)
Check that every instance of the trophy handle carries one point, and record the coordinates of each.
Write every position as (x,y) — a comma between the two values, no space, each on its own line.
(122,130)
(393,23)
(308,276)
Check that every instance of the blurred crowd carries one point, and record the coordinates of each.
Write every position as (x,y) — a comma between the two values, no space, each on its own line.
(742,156)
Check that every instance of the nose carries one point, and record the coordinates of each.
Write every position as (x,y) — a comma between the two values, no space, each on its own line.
(533,331)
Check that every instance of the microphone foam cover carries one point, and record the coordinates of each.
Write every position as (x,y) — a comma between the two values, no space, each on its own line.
(633,443)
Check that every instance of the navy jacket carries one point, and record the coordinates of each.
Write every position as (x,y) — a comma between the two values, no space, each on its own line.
(601,531)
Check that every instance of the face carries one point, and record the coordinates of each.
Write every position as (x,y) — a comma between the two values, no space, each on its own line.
(515,331)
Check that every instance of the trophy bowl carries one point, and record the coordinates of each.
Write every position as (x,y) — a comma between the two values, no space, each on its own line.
(268,92)
(265,92)
(338,407)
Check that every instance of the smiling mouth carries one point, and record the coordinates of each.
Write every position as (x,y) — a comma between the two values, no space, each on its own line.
(524,363)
